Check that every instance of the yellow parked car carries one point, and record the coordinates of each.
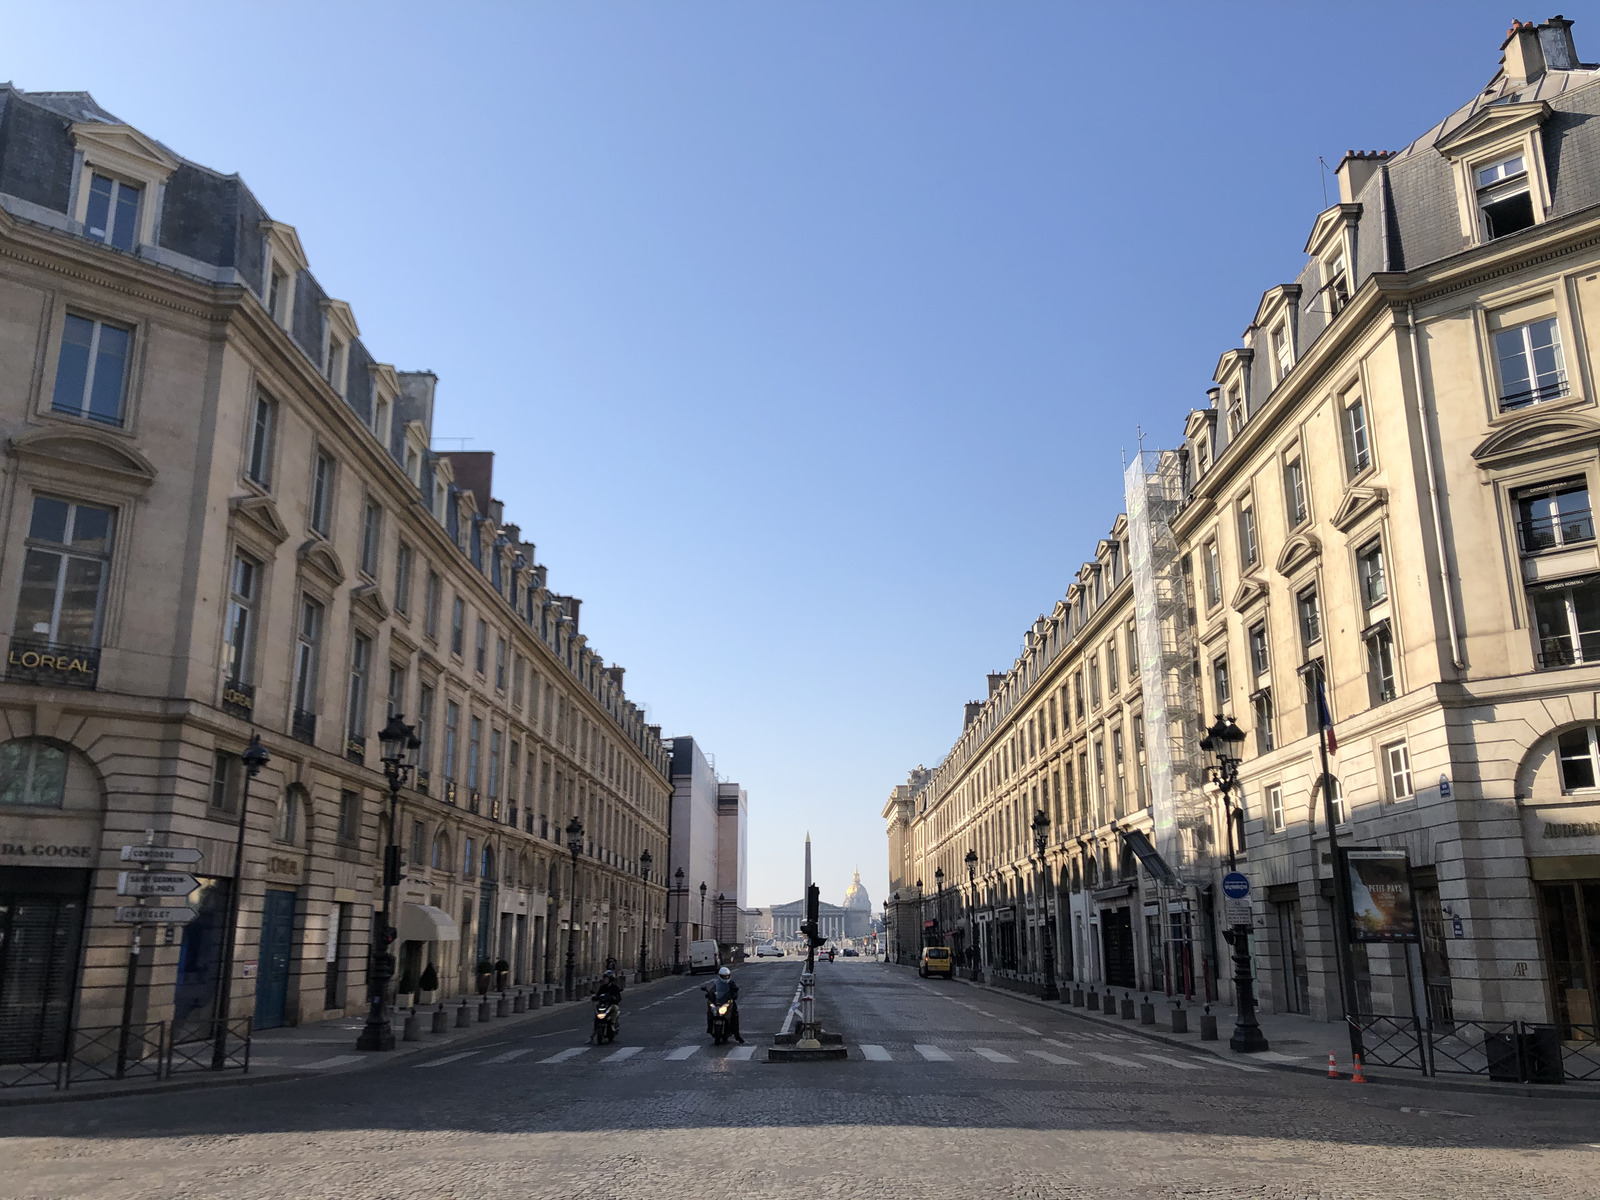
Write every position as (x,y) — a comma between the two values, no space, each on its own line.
(937,960)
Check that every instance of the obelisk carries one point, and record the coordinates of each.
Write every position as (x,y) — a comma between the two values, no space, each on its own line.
(807,890)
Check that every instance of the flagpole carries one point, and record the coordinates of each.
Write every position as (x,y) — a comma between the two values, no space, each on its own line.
(1344,957)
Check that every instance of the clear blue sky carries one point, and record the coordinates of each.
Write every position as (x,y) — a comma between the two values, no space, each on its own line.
(808,336)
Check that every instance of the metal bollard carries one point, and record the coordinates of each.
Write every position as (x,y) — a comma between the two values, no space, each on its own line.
(441,1019)
(1127,1007)
(484,1010)
(535,1000)
(463,1016)
(1180,1018)
(1208,1026)
(1093,1001)
(502,1007)
(1077,997)
(413,1030)
(519,1002)
(1147,1012)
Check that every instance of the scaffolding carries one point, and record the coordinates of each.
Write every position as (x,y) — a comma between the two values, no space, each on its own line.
(1180,812)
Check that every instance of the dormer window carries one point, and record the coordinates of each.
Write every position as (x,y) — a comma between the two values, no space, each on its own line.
(1202,455)
(380,420)
(1236,414)
(113,213)
(1282,351)
(1336,288)
(337,357)
(1504,200)
(277,295)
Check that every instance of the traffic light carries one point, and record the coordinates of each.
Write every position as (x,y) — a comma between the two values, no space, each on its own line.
(813,917)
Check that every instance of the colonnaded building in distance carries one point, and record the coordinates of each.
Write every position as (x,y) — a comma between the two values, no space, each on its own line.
(221,517)
(1387,492)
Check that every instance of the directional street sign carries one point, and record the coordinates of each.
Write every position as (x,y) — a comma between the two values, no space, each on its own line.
(160,854)
(154,883)
(1236,898)
(139,914)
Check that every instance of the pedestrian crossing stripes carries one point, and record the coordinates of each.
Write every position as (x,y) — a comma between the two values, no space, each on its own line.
(933,1053)
(875,1054)
(741,1054)
(993,1055)
(512,1055)
(1054,1059)
(1115,1061)
(681,1053)
(626,1052)
(561,1056)
(448,1058)
(1173,1062)
(338,1060)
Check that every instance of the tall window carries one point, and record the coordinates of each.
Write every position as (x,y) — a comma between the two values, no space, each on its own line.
(1113,676)
(1504,201)
(308,644)
(1282,349)
(1311,678)
(1275,808)
(1094,682)
(1221,685)
(1397,770)
(518,669)
(322,494)
(238,652)
(263,417)
(431,595)
(458,626)
(1358,453)
(113,213)
(1261,708)
(1370,574)
(500,663)
(1531,365)
(360,667)
(349,831)
(380,421)
(1579,751)
(1567,616)
(1236,415)
(371,538)
(32,773)
(1144,763)
(1554,515)
(277,295)
(1294,492)
(1260,657)
(1213,576)
(419,842)
(402,578)
(1077,694)
(1249,547)
(480,649)
(452,727)
(336,364)
(495,740)
(474,745)
(91,373)
(225,772)
(425,727)
(395,700)
(1119,761)
(1380,664)
(1310,614)
(62,600)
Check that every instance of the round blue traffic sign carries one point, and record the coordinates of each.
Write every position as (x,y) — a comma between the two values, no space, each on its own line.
(1235,885)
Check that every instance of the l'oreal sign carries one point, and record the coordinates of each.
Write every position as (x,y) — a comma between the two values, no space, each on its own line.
(54,666)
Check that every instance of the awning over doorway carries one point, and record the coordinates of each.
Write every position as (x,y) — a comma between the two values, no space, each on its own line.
(425,923)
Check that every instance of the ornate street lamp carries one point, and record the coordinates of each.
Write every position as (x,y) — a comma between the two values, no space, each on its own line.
(922,919)
(972,928)
(677,925)
(255,757)
(399,744)
(574,845)
(702,908)
(1041,837)
(938,902)
(644,932)
(1221,747)
(886,930)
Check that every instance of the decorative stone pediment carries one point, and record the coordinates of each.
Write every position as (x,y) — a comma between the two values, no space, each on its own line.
(84,451)
(1328,225)
(263,516)
(1538,436)
(1489,124)
(1251,590)
(1358,502)
(122,148)
(319,557)
(1275,300)
(1199,421)
(368,597)
(400,636)
(1297,552)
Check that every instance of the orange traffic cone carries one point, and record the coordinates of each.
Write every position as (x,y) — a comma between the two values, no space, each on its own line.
(1333,1070)
(1357,1076)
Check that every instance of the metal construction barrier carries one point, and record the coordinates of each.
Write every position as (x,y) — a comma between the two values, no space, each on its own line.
(117,1052)
(187,1051)
(1502,1051)
(147,1051)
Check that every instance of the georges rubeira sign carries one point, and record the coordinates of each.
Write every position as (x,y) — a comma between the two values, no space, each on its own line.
(54,666)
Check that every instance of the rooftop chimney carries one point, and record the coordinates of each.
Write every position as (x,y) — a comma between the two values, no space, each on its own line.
(1555,39)
(1522,58)
(974,707)
(1355,169)
(995,680)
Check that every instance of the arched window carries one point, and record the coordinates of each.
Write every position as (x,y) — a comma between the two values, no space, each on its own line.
(291,806)
(33,773)
(441,851)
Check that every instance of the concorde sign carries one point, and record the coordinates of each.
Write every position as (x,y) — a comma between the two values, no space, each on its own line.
(160,854)
(154,883)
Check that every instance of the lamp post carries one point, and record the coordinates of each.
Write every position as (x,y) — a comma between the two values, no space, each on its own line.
(938,902)
(399,742)
(255,757)
(574,844)
(644,932)
(1041,836)
(972,926)
(677,925)
(702,908)
(885,934)
(1221,745)
(922,920)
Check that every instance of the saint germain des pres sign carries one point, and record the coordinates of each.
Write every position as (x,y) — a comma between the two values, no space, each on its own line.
(29,661)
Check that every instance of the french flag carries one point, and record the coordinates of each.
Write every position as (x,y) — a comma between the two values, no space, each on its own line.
(1324,720)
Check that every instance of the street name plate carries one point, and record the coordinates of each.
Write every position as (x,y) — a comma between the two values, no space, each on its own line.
(160,854)
(141,914)
(154,883)
(1236,899)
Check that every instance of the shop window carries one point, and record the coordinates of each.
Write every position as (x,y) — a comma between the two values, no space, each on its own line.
(1567,618)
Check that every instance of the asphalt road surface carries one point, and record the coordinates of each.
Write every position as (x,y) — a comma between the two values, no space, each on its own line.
(950,1091)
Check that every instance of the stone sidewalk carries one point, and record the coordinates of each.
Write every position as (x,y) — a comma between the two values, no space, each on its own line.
(328,1047)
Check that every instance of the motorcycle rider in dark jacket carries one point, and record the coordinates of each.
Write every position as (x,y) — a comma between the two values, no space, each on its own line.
(725,989)
(609,990)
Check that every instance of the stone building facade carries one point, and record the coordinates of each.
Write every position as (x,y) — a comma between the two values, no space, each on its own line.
(1387,493)
(221,517)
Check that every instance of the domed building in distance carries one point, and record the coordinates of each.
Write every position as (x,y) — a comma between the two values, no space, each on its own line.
(857,909)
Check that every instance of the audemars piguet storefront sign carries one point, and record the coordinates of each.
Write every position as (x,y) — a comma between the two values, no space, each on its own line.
(1380,896)
(30,661)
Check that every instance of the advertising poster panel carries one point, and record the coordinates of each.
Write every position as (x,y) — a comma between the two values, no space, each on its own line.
(1380,896)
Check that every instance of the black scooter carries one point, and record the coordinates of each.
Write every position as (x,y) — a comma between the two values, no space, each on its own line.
(607,1022)
(719,1016)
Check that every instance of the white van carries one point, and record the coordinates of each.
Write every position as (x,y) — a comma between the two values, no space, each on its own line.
(703,956)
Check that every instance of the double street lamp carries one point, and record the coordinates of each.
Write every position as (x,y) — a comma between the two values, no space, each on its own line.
(399,744)
(644,932)
(677,925)
(1041,837)
(574,846)
(1221,747)
(972,929)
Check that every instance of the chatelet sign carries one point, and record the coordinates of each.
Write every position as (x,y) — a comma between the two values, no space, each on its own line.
(30,661)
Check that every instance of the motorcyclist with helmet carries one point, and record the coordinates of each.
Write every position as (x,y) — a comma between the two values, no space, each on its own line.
(725,989)
(607,994)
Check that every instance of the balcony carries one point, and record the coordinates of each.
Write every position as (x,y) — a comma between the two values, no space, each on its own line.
(303,726)
(355,748)
(1553,532)
(1561,652)
(424,780)
(1555,390)
(49,664)
(239,699)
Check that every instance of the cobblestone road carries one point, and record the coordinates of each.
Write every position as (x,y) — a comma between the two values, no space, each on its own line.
(949,1092)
